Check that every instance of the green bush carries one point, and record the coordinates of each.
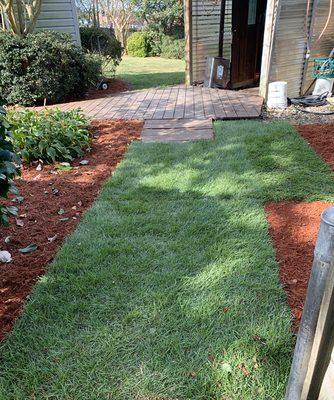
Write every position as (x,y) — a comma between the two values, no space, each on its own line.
(44,65)
(154,42)
(173,48)
(102,41)
(50,135)
(9,167)
(138,45)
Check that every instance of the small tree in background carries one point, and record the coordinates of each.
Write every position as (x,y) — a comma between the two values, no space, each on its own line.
(121,15)
(165,16)
(24,20)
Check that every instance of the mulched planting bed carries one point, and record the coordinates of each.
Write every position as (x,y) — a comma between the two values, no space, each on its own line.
(321,138)
(294,226)
(114,86)
(53,204)
(293,229)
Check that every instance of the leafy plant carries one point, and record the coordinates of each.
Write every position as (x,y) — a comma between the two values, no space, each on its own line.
(138,45)
(50,135)
(103,42)
(44,65)
(173,48)
(154,42)
(9,167)
(165,16)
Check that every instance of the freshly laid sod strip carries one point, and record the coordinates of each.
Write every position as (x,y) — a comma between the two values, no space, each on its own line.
(169,287)
(150,72)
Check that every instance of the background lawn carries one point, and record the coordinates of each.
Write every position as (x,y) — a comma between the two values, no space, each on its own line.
(143,73)
(169,287)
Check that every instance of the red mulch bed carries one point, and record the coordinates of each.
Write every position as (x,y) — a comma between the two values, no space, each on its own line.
(39,211)
(294,226)
(293,229)
(321,138)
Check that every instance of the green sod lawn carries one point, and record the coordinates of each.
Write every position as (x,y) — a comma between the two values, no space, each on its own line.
(143,73)
(169,287)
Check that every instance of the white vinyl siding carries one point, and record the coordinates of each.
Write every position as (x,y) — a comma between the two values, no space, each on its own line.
(61,16)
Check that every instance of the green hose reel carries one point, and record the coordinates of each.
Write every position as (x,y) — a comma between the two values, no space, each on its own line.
(323,68)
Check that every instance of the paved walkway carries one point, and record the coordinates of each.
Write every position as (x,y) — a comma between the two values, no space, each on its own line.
(177,102)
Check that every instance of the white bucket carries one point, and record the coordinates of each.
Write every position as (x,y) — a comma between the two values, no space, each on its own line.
(322,86)
(277,95)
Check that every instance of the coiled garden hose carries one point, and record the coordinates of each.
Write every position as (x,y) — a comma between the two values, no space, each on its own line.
(301,103)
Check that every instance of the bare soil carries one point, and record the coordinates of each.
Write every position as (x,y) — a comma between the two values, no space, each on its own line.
(41,220)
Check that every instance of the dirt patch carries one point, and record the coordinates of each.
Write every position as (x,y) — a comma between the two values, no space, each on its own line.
(294,229)
(321,138)
(114,86)
(47,192)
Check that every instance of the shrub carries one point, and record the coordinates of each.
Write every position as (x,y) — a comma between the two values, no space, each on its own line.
(102,41)
(173,48)
(44,65)
(154,42)
(9,167)
(138,45)
(49,135)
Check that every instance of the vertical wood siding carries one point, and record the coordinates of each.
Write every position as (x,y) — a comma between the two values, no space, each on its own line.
(322,41)
(289,60)
(61,16)
(205,34)
(290,45)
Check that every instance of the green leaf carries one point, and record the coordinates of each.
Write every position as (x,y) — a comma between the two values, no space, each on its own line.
(29,249)
(61,212)
(12,210)
(18,199)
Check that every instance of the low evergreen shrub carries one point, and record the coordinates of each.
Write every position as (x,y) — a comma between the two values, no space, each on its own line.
(138,45)
(173,48)
(44,65)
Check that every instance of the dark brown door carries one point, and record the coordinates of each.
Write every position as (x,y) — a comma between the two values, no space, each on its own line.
(248,17)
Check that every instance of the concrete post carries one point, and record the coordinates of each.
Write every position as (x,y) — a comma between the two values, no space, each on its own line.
(320,283)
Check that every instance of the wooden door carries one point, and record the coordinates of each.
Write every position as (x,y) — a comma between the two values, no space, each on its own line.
(248,18)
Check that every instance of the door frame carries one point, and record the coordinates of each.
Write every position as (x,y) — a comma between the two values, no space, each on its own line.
(259,50)
(270,27)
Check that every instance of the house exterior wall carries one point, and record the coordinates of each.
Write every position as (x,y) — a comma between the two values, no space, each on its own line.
(61,16)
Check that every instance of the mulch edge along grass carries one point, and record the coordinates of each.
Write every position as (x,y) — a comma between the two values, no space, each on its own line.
(54,201)
(169,287)
(294,226)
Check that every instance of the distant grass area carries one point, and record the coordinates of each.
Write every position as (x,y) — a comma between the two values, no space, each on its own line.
(144,73)
(169,287)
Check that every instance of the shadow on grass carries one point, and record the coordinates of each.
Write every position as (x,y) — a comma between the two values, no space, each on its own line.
(152,80)
(169,287)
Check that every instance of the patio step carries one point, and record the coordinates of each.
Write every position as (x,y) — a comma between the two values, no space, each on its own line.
(177,130)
